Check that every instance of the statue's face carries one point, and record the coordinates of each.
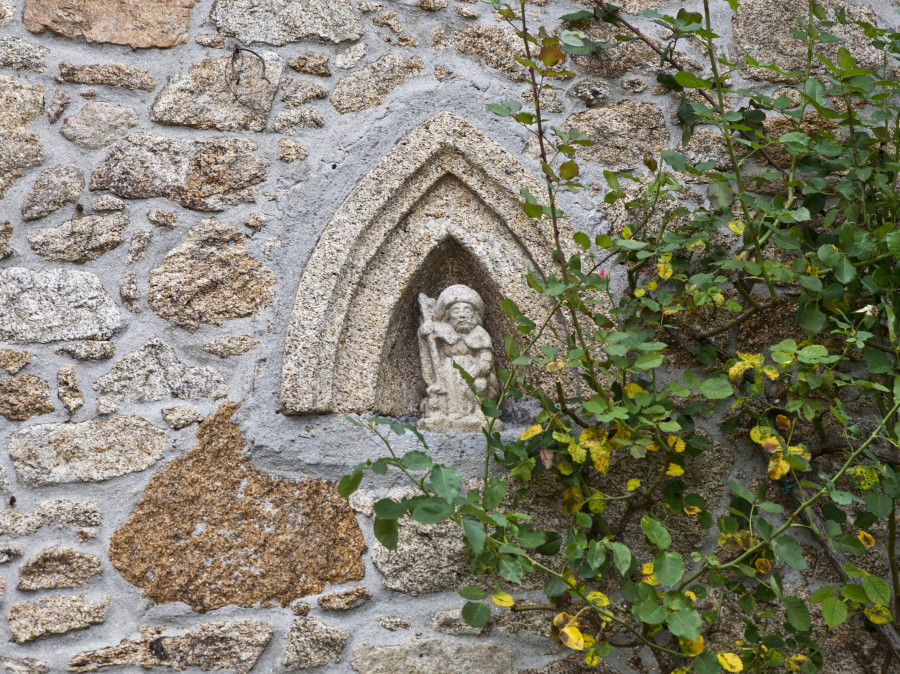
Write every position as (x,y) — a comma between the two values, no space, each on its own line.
(463,317)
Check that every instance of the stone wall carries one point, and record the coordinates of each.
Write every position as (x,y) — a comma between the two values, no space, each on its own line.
(209,256)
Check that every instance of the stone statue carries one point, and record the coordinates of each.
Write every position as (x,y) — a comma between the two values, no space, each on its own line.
(451,331)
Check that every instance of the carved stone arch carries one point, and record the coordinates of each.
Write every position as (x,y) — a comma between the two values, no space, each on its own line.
(444,200)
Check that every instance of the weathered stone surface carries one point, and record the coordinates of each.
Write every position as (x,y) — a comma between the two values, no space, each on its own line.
(62,512)
(465,12)
(763,29)
(369,86)
(54,188)
(291,151)
(623,57)
(154,372)
(23,665)
(137,249)
(7,11)
(592,92)
(211,40)
(13,360)
(6,231)
(9,552)
(150,23)
(392,623)
(296,535)
(624,133)
(30,620)
(303,92)
(207,174)
(108,203)
(256,221)
(433,656)
(68,391)
(311,63)
(53,305)
(161,218)
(227,94)
(110,75)
(235,646)
(90,451)
(89,350)
(20,150)
(496,45)
(311,643)
(80,240)
(289,121)
(17,54)
(226,347)
(433,5)
(58,567)
(344,601)
(209,279)
(452,622)
(57,105)
(20,102)
(23,397)
(179,416)
(351,56)
(282,21)
(98,125)
(4,486)
(106,406)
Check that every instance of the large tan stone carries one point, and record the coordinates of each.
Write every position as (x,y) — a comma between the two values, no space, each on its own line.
(111,75)
(20,150)
(623,133)
(433,656)
(497,46)
(53,189)
(98,125)
(311,643)
(53,615)
(14,523)
(80,240)
(279,22)
(207,517)
(20,102)
(149,23)
(369,86)
(23,397)
(58,567)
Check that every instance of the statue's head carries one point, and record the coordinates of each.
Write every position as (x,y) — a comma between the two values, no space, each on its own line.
(460,306)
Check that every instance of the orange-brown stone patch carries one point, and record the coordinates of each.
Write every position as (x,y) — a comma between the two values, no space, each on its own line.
(211,530)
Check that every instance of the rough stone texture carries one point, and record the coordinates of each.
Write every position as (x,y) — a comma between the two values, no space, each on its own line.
(234,646)
(161,218)
(54,188)
(23,665)
(465,12)
(624,133)
(150,23)
(496,45)
(89,350)
(154,372)
(53,305)
(57,105)
(68,391)
(291,151)
(282,21)
(80,240)
(62,512)
(6,231)
(9,552)
(20,102)
(311,63)
(303,92)
(393,623)
(209,279)
(110,75)
(58,567)
(13,360)
(296,535)
(108,203)
(256,221)
(90,451)
(17,54)
(180,416)
(433,656)
(436,210)
(211,40)
(433,5)
(226,347)
(137,249)
(290,121)
(623,57)
(7,11)
(345,601)
(592,92)
(208,174)
(369,86)
(23,397)
(106,406)
(53,615)
(762,29)
(351,56)
(98,125)
(311,643)
(227,94)
(451,622)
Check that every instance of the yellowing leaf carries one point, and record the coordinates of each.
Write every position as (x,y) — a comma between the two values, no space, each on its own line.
(632,484)
(730,662)
(631,389)
(865,538)
(863,477)
(588,640)
(639,292)
(690,595)
(573,499)
(796,662)
(626,232)
(676,443)
(598,598)
(651,285)
(647,573)
(778,467)
(691,510)
(664,270)
(502,599)
(675,470)
(565,629)
(531,431)
(592,659)
(763,565)
(737,227)
(770,371)
(736,371)
(878,614)
(565,467)
(760,433)
(577,452)
(691,648)
(752,359)
(771,444)
(783,423)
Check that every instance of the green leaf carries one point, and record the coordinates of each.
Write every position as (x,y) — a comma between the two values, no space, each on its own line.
(389,509)
(879,504)
(582,240)
(720,196)
(494,491)
(674,159)
(475,532)
(621,557)
(844,271)
(893,243)
(845,60)
(716,388)
(476,613)
(812,320)
(834,612)
(741,491)
(788,550)
(656,532)
(690,81)
(510,570)
(416,461)
(854,592)
(349,483)
(431,510)
(648,360)
(684,624)
(877,590)
(445,482)
(386,532)
(668,567)
(472,593)
(821,594)
(568,170)
(798,614)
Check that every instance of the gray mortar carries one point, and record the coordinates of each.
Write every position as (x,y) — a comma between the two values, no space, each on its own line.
(311,191)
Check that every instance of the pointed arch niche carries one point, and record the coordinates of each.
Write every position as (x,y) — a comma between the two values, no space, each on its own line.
(440,208)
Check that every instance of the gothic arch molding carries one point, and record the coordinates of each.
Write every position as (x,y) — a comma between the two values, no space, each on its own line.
(445,184)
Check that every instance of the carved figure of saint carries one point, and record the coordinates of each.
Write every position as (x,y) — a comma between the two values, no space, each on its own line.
(452,332)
